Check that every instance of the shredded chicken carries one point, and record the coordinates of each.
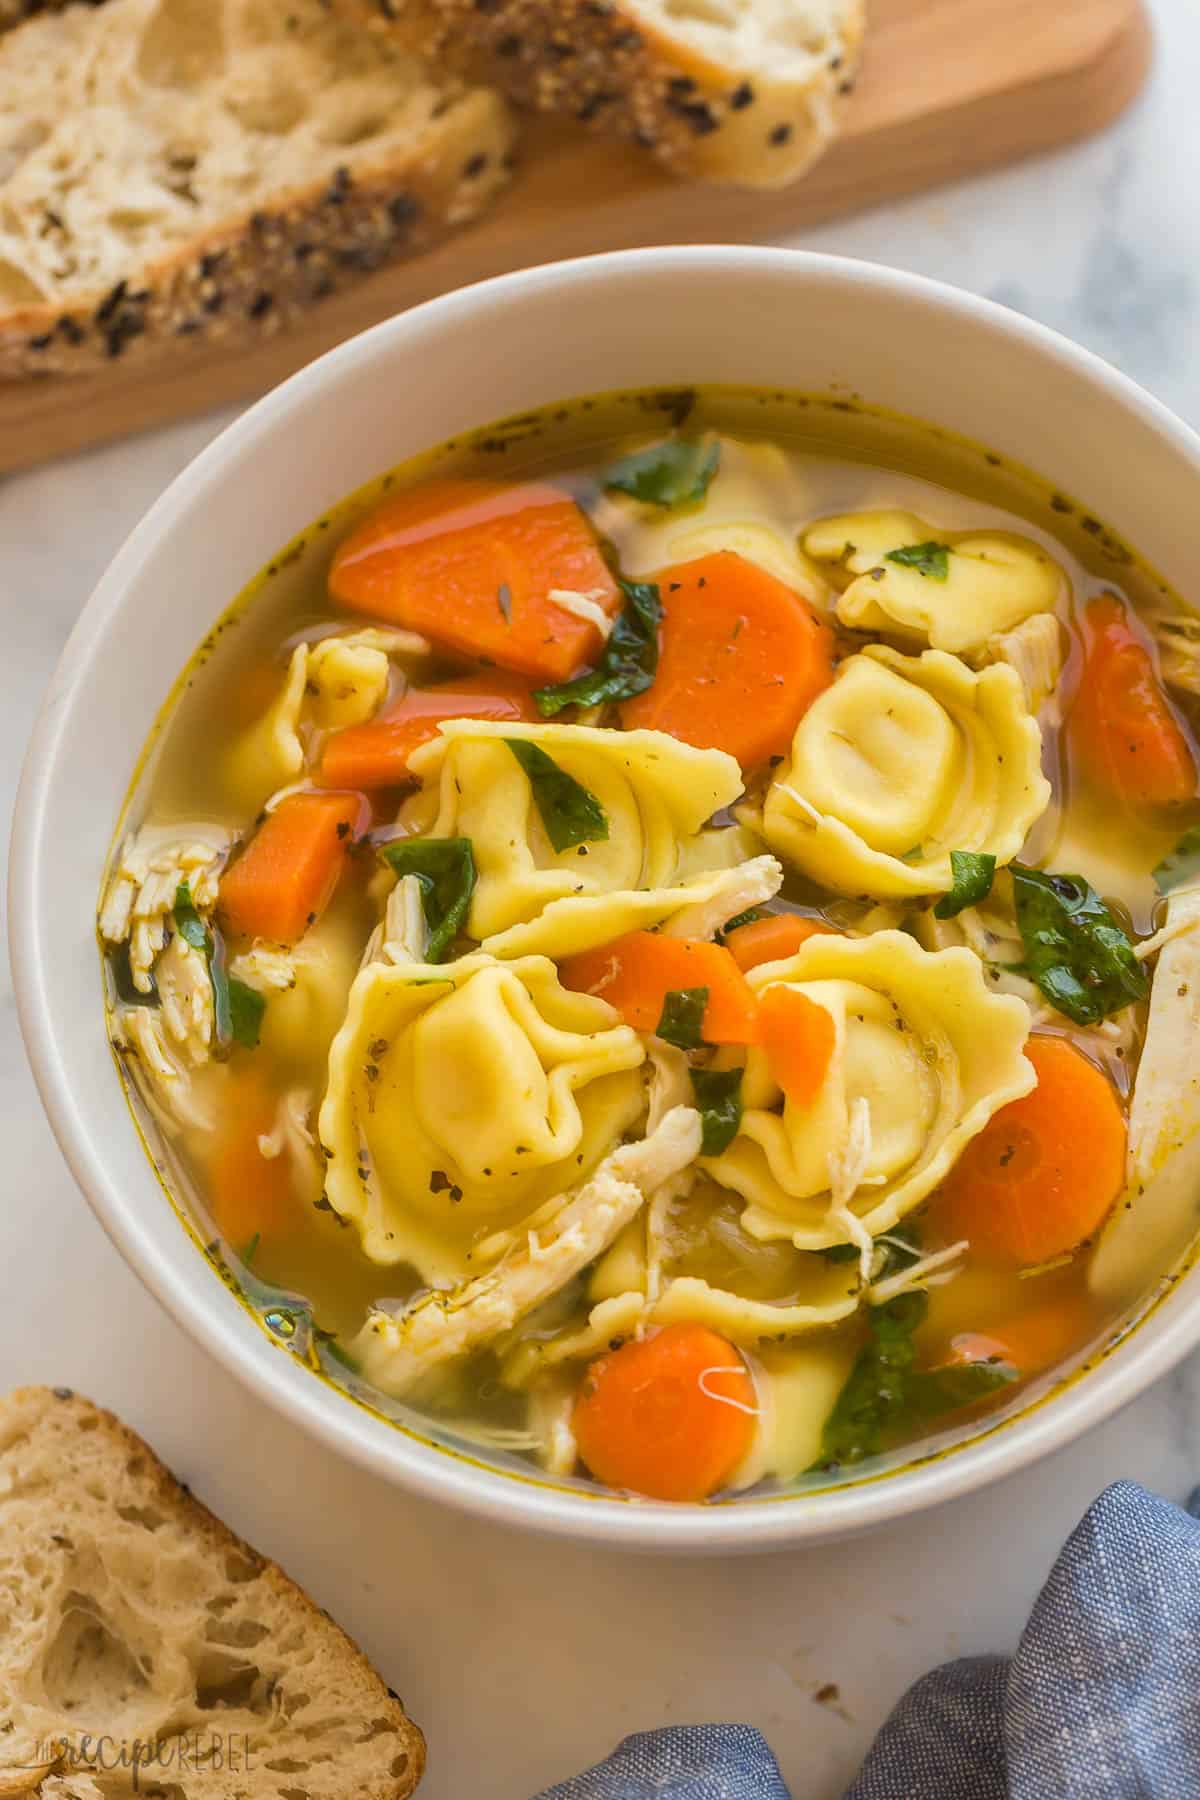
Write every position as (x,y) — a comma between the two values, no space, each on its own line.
(1035,649)
(847,1167)
(402,936)
(934,1270)
(757,880)
(152,866)
(1156,1216)
(1178,636)
(186,999)
(292,1131)
(551,1409)
(583,606)
(166,1079)
(397,1353)
(265,969)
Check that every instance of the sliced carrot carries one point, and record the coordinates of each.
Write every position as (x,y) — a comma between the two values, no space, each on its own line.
(773,939)
(799,1038)
(285,877)
(1122,729)
(1045,1170)
(1032,1341)
(742,658)
(376,754)
(635,974)
(670,1417)
(473,564)
(250,1195)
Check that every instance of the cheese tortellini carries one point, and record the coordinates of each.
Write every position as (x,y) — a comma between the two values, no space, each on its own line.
(924,1054)
(462,1098)
(978,583)
(655,792)
(902,760)
(339,680)
(756,493)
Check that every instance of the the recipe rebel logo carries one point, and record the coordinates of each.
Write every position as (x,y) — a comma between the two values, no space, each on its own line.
(147,1759)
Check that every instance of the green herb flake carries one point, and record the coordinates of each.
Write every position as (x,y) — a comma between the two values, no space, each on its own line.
(682,1019)
(718,1095)
(1080,958)
(445,872)
(973,872)
(676,472)
(931,560)
(629,663)
(1182,866)
(570,813)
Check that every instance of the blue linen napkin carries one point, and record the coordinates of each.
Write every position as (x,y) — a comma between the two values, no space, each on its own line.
(1098,1702)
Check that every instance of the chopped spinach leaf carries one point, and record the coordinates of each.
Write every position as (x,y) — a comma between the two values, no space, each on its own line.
(629,663)
(751,916)
(122,978)
(682,1017)
(188,923)
(929,1393)
(570,813)
(445,872)
(246,1009)
(885,1397)
(676,472)
(1182,865)
(973,874)
(719,1101)
(931,560)
(237,1008)
(870,1403)
(1075,951)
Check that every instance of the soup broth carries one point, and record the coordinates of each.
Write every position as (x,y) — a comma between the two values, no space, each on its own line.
(657,937)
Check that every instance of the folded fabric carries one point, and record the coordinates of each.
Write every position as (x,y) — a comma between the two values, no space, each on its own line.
(1098,1702)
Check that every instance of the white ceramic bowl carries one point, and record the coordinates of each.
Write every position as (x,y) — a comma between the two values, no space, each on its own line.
(651,318)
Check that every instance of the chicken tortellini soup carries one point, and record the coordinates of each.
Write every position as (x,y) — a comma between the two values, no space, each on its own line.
(661,943)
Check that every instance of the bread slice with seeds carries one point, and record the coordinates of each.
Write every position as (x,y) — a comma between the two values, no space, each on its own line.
(146,1649)
(742,91)
(209,168)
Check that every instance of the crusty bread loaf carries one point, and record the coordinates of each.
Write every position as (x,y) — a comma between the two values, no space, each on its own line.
(727,90)
(176,168)
(130,1616)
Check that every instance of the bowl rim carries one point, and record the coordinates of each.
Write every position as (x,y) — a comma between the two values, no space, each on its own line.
(354,1431)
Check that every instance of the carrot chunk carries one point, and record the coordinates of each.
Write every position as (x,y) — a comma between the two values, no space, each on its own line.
(742,658)
(670,1417)
(799,1038)
(1122,729)
(635,973)
(1044,1171)
(251,1195)
(473,565)
(286,875)
(773,939)
(376,754)
(1032,1341)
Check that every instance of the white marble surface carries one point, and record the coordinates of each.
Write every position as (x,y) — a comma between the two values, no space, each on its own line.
(525,1660)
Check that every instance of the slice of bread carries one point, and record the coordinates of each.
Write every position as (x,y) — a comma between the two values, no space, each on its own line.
(130,1616)
(180,168)
(741,91)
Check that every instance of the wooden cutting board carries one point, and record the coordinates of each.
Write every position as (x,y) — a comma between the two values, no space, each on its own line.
(949,88)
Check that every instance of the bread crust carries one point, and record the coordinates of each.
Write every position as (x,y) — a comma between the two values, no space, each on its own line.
(37,1423)
(247,278)
(599,63)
